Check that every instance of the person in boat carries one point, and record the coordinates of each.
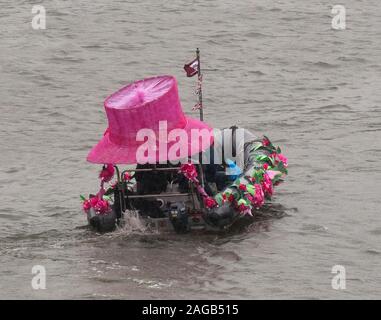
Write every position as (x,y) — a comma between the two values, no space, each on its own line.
(224,162)
(148,128)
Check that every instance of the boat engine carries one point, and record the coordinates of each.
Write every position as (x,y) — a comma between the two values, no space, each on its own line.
(178,215)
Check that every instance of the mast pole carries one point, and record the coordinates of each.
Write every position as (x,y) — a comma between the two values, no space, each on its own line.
(199,85)
(199,89)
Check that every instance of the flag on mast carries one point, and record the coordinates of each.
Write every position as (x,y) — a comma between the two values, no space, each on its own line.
(191,68)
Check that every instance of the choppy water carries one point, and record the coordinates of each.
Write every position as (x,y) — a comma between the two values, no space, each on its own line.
(275,67)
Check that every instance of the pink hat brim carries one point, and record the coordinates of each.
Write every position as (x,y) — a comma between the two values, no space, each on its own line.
(105,151)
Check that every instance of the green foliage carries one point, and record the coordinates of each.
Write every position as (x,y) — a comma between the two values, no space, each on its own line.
(250,189)
(109,191)
(262,158)
(108,198)
(258,175)
(219,198)
(280,167)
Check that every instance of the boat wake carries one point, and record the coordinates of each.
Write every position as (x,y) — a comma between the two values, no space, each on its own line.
(133,223)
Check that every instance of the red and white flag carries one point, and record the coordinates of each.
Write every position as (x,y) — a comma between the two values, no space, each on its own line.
(191,68)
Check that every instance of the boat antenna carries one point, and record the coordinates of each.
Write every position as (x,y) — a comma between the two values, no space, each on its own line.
(200,108)
(199,87)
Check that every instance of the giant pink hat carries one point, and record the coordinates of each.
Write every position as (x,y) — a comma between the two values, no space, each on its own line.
(152,104)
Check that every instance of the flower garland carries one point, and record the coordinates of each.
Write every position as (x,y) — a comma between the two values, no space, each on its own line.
(250,190)
(190,172)
(100,202)
(246,193)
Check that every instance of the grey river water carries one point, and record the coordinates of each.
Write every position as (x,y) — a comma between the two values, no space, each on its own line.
(274,67)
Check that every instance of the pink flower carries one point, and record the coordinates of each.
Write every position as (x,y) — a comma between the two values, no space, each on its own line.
(272,173)
(242,187)
(93,201)
(265,142)
(107,173)
(86,205)
(210,202)
(259,197)
(278,157)
(265,166)
(189,171)
(283,159)
(230,198)
(250,198)
(243,209)
(102,206)
(99,205)
(267,185)
(127,176)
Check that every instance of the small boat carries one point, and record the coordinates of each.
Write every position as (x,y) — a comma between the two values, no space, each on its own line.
(167,183)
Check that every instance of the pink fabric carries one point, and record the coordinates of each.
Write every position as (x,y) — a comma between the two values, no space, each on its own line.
(140,105)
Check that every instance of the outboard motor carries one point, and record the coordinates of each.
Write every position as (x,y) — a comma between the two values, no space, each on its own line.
(178,215)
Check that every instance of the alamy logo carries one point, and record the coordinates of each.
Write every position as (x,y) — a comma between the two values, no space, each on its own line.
(39,280)
(39,19)
(178,144)
(338,21)
(339,280)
